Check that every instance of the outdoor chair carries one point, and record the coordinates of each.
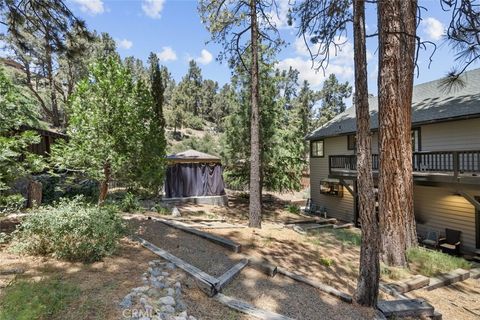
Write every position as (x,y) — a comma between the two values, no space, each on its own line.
(431,239)
(451,243)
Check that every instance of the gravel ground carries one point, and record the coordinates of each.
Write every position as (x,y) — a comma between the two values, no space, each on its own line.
(296,300)
(454,300)
(203,254)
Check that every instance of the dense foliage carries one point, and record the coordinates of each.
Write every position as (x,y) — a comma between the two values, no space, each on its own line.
(16,110)
(71,230)
(115,128)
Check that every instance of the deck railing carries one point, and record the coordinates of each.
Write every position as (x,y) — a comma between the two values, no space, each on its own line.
(456,162)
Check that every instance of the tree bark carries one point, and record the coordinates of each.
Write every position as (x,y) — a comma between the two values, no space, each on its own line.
(107,171)
(397,31)
(369,274)
(51,81)
(255,219)
(34,192)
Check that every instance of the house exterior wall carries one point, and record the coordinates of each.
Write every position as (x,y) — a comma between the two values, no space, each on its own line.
(436,208)
(451,136)
(439,208)
(337,207)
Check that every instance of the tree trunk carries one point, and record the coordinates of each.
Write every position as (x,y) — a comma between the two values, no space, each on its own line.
(397,30)
(104,184)
(369,274)
(34,194)
(255,219)
(51,82)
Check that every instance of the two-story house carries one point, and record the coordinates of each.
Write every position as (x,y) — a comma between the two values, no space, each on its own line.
(446,160)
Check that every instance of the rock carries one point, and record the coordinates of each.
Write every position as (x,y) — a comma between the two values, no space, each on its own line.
(157,284)
(155,272)
(178,291)
(140,289)
(165,274)
(170,266)
(167,309)
(180,306)
(176,212)
(168,300)
(178,285)
(153,293)
(143,301)
(170,292)
(127,301)
(192,318)
(160,278)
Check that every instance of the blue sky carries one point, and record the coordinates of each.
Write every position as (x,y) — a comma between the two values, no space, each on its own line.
(173,30)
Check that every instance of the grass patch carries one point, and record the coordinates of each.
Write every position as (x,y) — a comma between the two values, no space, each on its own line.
(45,299)
(431,263)
(327,262)
(345,236)
(292,208)
(394,273)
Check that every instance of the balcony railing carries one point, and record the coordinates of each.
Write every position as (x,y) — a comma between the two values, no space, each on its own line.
(454,162)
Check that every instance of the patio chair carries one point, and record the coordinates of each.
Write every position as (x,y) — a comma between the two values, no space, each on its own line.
(451,243)
(431,239)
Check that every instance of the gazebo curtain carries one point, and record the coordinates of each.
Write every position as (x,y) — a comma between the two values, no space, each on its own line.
(194,179)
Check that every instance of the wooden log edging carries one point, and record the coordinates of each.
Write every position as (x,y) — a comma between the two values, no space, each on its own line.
(406,308)
(205,281)
(249,309)
(448,279)
(323,287)
(228,276)
(224,242)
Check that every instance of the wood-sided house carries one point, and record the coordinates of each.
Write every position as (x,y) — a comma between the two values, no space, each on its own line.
(446,160)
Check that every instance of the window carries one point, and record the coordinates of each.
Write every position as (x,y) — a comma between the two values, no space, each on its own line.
(416,146)
(351,142)
(331,188)
(316,149)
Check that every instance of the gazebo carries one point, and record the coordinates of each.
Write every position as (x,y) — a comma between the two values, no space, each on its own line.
(194,176)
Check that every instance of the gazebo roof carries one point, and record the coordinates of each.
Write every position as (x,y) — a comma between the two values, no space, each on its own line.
(191,155)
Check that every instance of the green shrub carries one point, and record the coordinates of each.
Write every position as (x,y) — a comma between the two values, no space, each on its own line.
(71,230)
(11,203)
(130,203)
(292,208)
(25,300)
(327,262)
(430,263)
(163,210)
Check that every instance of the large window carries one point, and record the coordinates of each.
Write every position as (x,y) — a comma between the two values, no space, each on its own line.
(317,149)
(351,142)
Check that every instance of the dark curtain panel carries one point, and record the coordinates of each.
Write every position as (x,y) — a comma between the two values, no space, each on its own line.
(194,179)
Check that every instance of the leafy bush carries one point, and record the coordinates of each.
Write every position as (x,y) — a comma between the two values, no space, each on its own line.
(164,211)
(431,263)
(71,230)
(55,187)
(292,208)
(11,203)
(327,262)
(129,203)
(25,300)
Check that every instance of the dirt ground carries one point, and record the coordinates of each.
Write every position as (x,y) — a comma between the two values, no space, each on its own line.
(279,294)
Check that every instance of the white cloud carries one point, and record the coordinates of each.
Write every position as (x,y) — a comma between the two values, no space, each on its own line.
(205,57)
(167,54)
(92,7)
(278,16)
(340,62)
(433,28)
(124,44)
(153,8)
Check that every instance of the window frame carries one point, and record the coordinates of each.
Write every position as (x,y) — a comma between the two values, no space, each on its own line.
(354,137)
(323,148)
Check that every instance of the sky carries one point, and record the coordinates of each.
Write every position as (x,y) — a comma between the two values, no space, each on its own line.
(173,30)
